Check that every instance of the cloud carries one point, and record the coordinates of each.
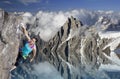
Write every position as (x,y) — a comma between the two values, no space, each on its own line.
(26,2)
(45,71)
(27,18)
(7,2)
(50,22)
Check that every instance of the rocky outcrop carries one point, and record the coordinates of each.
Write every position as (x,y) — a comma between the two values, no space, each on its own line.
(9,42)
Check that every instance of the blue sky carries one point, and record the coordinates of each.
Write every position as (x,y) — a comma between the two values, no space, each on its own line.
(57,5)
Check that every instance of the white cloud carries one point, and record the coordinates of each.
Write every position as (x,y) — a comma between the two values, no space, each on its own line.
(26,2)
(50,22)
(7,2)
(27,18)
(46,71)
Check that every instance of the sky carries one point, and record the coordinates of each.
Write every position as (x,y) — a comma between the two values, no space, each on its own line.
(58,5)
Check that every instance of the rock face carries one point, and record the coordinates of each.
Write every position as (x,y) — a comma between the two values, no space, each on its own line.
(9,42)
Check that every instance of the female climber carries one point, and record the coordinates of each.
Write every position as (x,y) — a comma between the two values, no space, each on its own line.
(26,49)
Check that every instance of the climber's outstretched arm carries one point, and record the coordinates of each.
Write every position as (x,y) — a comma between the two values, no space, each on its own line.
(26,33)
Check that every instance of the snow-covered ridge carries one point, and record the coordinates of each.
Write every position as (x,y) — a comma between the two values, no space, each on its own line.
(110,67)
(109,34)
